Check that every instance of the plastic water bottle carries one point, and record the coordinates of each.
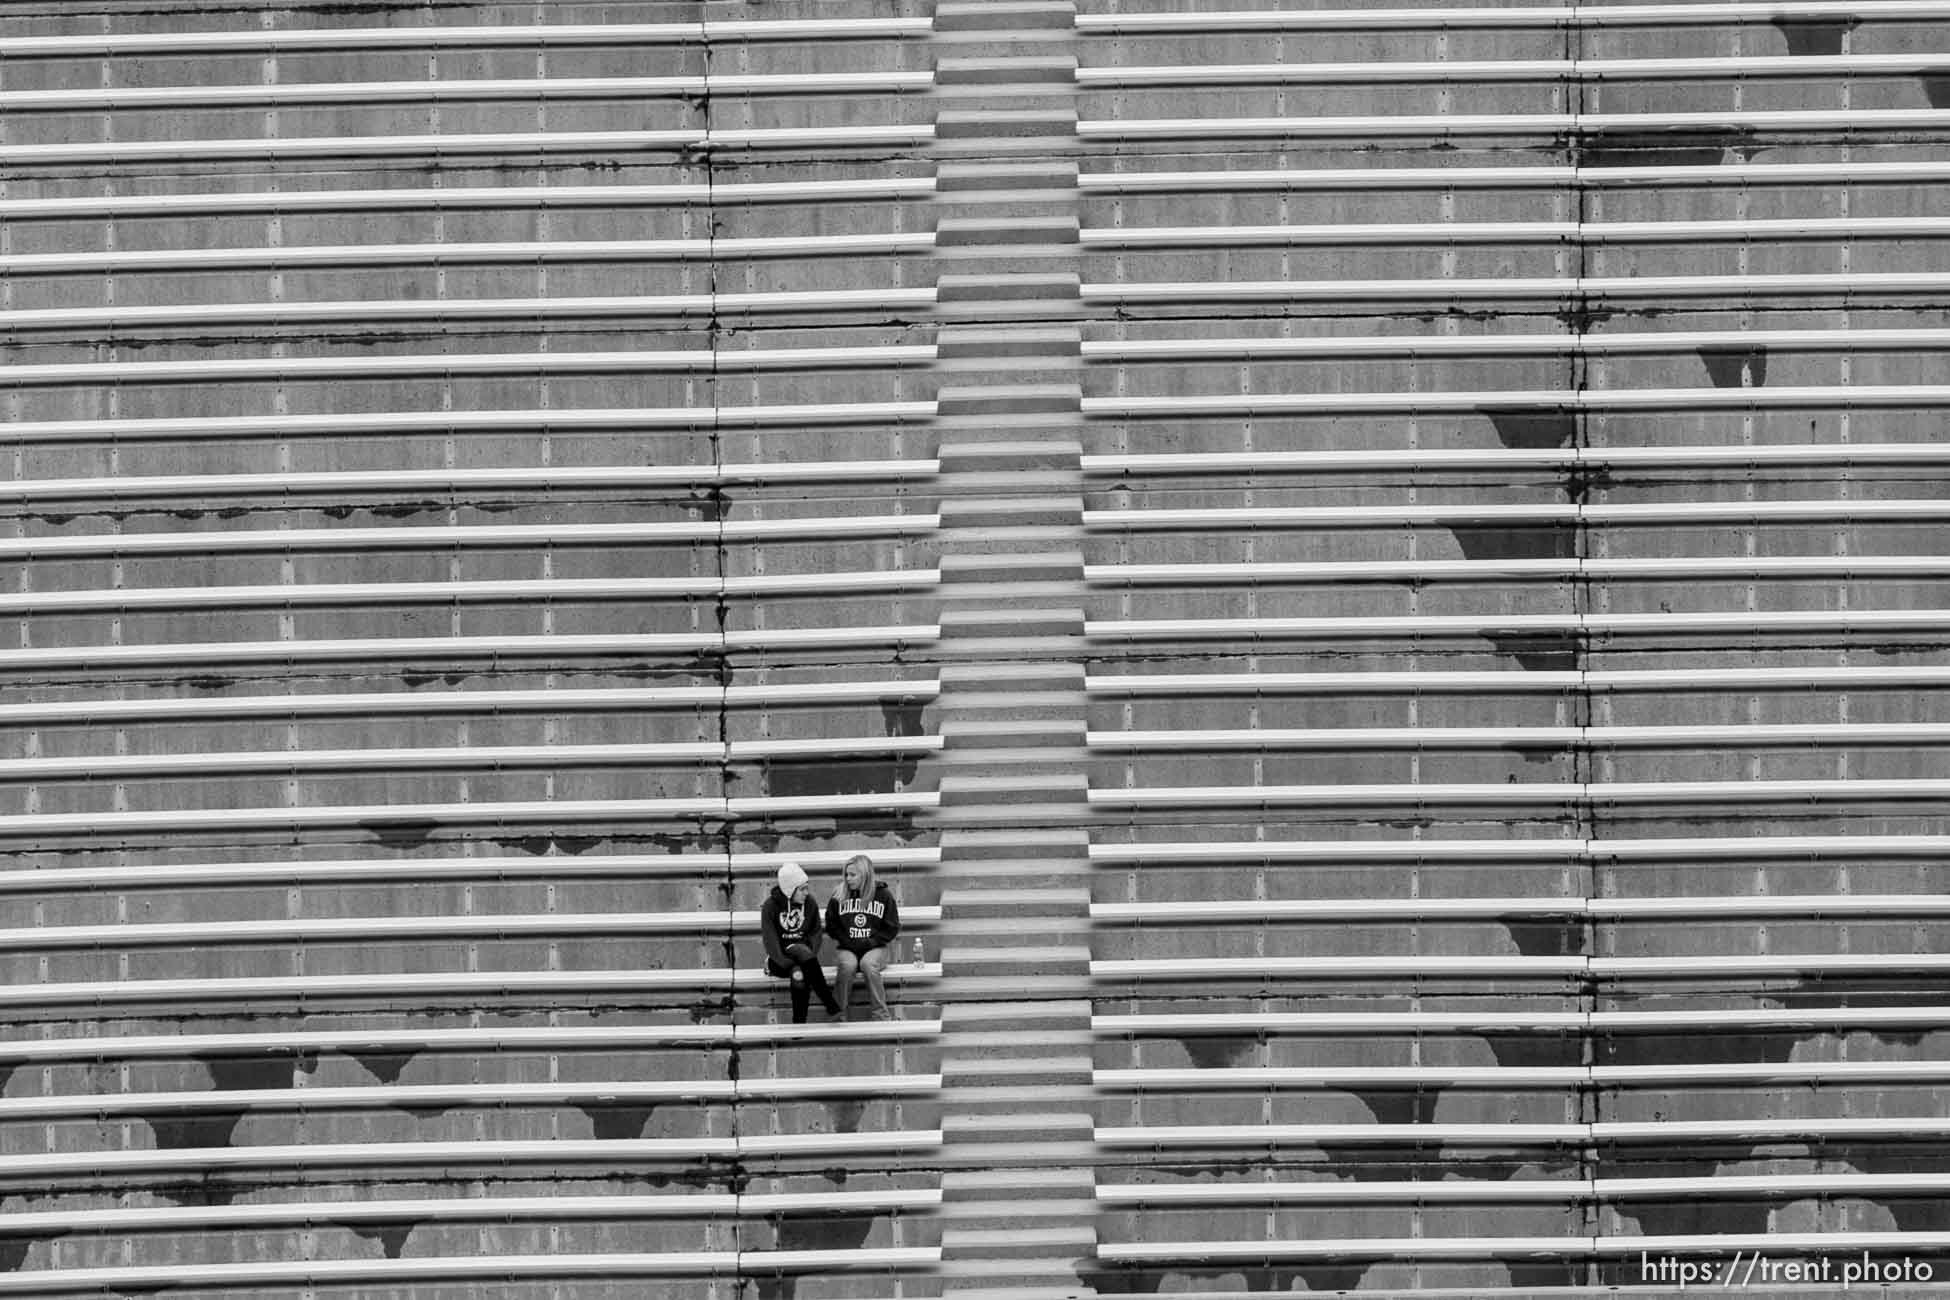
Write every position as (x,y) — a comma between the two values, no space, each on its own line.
(920,953)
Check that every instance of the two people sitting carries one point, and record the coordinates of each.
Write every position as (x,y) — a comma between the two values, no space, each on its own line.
(862,919)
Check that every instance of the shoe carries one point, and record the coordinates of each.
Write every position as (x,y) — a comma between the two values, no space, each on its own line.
(881,1014)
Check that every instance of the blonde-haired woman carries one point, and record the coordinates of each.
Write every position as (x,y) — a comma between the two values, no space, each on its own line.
(863,920)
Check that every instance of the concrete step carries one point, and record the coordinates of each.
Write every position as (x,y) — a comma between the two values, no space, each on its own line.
(997,928)
(1020,706)
(972,647)
(1030,482)
(1008,205)
(997,1100)
(1005,262)
(1004,15)
(1037,69)
(990,790)
(1026,963)
(1003,677)
(1044,566)
(968,846)
(1005,1279)
(1004,1041)
(958,903)
(1000,937)
(983,371)
(978,989)
(1026,874)
(1040,1013)
(1008,762)
(967,540)
(1010,1154)
(1052,286)
(958,341)
(964,621)
(1020,399)
(959,177)
(1029,732)
(1068,1069)
(1066,1241)
(1065,511)
(1020,1210)
(1070,813)
(1060,1184)
(1048,1284)
(1028,1125)
(1012,124)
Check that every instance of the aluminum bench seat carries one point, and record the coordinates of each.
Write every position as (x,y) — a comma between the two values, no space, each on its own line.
(542,479)
(446,310)
(1253,911)
(455,758)
(1517,794)
(1552,176)
(566,420)
(520,649)
(469,536)
(390,988)
(564,1151)
(1588,127)
(448,1096)
(1756,1074)
(418,818)
(510,1038)
(458,197)
(1433,461)
(467,1209)
(1811,735)
(1667,1020)
(1787,848)
(136,934)
(488,702)
(1329,18)
(1518,343)
(1780,1247)
(1785,1186)
(758,867)
(464,90)
(1754,623)
(462,36)
(1603,681)
(203,370)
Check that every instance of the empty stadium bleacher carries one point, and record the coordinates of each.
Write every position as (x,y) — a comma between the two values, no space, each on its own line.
(1373,579)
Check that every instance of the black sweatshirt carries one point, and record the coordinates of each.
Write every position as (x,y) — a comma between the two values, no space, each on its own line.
(783,922)
(859,924)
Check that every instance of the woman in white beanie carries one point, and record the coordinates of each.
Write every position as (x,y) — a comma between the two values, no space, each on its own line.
(789,922)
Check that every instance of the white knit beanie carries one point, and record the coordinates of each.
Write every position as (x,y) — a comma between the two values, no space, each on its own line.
(791,876)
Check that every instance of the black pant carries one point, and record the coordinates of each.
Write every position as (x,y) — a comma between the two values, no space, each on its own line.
(807,978)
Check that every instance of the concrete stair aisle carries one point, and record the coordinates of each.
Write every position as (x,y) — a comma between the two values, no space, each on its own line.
(1019,1207)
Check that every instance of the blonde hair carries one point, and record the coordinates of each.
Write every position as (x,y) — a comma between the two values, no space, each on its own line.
(867,878)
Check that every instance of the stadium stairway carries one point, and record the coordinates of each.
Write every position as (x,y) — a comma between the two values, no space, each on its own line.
(1018,1209)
